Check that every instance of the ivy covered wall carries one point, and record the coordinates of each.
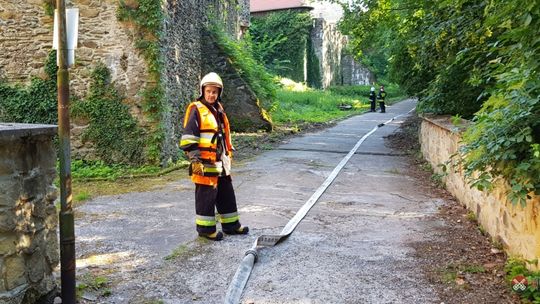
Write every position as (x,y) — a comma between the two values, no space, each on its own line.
(280,41)
(149,56)
(295,45)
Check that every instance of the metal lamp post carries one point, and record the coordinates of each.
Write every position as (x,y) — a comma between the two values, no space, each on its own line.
(67,227)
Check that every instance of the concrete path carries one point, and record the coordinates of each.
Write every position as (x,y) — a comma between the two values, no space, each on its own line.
(351,248)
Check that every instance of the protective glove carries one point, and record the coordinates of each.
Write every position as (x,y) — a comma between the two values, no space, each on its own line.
(197,168)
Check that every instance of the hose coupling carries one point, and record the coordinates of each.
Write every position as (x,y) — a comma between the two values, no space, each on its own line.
(254,253)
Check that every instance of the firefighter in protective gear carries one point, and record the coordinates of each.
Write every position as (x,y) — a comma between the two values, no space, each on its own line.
(206,140)
(381,97)
(372,98)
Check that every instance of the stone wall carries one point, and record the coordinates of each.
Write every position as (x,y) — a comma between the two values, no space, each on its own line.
(26,39)
(28,217)
(327,44)
(335,66)
(516,228)
(186,53)
(354,73)
(19,57)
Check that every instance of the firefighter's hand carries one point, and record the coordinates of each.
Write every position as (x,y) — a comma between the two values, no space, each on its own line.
(197,168)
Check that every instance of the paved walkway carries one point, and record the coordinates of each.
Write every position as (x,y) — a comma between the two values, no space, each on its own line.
(351,248)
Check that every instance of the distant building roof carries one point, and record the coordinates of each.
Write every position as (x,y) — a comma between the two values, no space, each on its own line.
(260,6)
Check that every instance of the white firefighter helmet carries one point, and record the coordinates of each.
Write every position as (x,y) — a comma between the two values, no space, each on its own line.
(372,89)
(211,79)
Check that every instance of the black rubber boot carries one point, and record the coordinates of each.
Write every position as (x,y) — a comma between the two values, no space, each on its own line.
(241,230)
(216,236)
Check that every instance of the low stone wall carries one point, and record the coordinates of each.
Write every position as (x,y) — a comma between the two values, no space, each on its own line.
(516,228)
(28,217)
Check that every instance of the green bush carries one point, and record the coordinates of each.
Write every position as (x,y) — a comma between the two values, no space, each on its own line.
(81,169)
(505,139)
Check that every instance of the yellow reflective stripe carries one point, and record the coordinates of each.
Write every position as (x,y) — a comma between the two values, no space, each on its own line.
(206,139)
(188,140)
(227,220)
(205,220)
(216,167)
(229,217)
(207,135)
(213,169)
(205,223)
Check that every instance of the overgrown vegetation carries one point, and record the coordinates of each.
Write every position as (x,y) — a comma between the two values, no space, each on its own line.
(280,40)
(260,81)
(148,17)
(473,59)
(117,138)
(34,103)
(313,107)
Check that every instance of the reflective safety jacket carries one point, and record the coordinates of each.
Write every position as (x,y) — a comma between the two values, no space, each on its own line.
(381,96)
(206,135)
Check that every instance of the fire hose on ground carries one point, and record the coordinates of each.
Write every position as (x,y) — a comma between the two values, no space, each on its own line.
(239,281)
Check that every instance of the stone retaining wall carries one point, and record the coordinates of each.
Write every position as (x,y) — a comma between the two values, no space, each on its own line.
(28,217)
(515,227)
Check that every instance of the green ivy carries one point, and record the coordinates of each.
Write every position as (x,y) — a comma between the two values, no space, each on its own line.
(313,69)
(34,103)
(239,52)
(48,6)
(148,17)
(117,138)
(280,41)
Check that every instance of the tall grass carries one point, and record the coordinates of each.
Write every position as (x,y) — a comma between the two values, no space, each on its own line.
(315,106)
(393,91)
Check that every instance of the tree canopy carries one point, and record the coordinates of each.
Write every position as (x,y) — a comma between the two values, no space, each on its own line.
(473,59)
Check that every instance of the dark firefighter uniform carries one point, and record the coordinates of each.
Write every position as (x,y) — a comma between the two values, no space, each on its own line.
(381,97)
(207,139)
(372,98)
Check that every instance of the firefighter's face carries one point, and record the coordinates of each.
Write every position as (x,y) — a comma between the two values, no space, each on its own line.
(211,93)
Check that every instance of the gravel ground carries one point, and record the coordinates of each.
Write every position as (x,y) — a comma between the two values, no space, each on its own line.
(389,236)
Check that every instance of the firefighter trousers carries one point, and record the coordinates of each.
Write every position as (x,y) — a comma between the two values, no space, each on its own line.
(382,105)
(222,198)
